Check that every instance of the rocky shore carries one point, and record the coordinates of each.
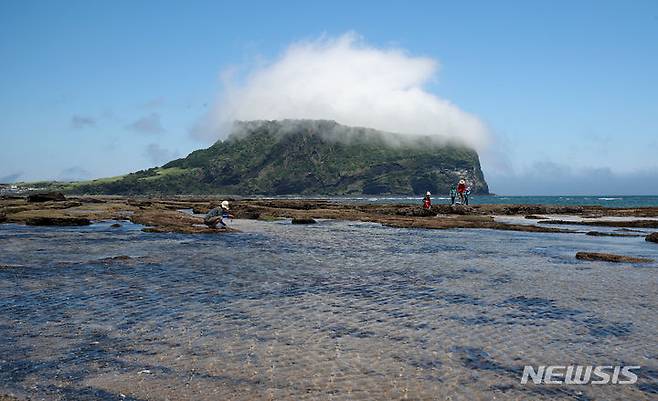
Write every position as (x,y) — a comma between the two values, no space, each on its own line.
(609,257)
(184,214)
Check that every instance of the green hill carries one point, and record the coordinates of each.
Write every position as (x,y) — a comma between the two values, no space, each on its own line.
(306,157)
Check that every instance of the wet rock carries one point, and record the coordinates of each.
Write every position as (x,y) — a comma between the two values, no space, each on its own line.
(57,221)
(461,209)
(296,204)
(609,257)
(303,221)
(606,223)
(170,221)
(55,205)
(416,212)
(653,237)
(114,259)
(535,217)
(246,212)
(200,209)
(524,210)
(92,200)
(46,197)
(115,225)
(162,214)
(602,234)
(3,217)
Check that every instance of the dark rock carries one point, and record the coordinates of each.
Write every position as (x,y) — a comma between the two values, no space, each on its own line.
(46,197)
(653,237)
(57,221)
(114,259)
(249,214)
(92,200)
(3,217)
(606,223)
(200,209)
(460,209)
(61,205)
(246,212)
(602,234)
(170,221)
(303,221)
(416,212)
(534,217)
(115,225)
(609,257)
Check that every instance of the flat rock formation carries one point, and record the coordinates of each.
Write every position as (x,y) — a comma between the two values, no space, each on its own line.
(46,197)
(170,221)
(603,234)
(182,214)
(57,221)
(606,223)
(653,237)
(609,257)
(303,221)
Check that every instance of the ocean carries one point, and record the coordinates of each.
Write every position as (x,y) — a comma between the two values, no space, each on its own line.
(606,201)
(336,310)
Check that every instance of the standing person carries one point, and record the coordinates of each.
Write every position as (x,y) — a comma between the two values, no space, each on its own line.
(427,201)
(467,194)
(217,215)
(461,189)
(453,194)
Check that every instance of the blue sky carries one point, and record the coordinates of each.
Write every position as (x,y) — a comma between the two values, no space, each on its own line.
(568,89)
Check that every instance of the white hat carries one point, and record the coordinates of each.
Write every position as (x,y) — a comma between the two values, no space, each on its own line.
(428,193)
(225,205)
(462,182)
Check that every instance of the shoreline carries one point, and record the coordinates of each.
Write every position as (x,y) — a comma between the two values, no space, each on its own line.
(183,213)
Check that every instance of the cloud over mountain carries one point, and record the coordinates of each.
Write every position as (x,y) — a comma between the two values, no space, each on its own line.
(346,80)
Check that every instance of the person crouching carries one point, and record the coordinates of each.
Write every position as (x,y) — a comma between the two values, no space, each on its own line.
(217,215)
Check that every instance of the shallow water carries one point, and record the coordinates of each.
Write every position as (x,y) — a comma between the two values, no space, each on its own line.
(336,310)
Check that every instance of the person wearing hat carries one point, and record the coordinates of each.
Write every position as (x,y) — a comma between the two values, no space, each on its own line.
(427,201)
(217,215)
(461,189)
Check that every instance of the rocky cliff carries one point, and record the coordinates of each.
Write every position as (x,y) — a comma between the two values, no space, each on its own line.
(307,157)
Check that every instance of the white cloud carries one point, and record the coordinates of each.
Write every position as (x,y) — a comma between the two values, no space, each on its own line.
(346,80)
